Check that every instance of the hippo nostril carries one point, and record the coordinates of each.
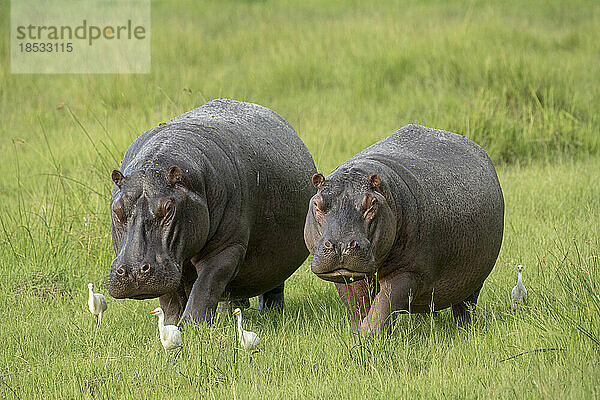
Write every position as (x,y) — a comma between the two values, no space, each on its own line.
(352,244)
(145,268)
(328,244)
(120,271)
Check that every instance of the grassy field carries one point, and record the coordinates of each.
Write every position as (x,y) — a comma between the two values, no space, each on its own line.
(520,78)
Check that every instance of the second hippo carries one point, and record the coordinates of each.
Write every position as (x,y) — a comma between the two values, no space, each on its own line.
(413,222)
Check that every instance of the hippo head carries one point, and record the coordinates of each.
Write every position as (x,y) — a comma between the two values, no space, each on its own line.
(157,222)
(350,227)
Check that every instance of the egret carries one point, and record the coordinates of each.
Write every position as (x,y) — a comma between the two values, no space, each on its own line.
(248,340)
(170,337)
(96,303)
(519,293)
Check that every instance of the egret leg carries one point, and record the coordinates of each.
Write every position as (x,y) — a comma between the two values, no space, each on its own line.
(99,319)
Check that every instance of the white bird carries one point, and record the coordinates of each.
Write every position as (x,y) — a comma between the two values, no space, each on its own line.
(248,340)
(96,303)
(519,293)
(170,337)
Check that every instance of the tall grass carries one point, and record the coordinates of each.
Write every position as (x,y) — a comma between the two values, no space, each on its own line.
(517,77)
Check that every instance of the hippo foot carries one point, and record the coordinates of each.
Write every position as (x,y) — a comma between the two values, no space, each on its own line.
(369,329)
(272,300)
(463,314)
(465,311)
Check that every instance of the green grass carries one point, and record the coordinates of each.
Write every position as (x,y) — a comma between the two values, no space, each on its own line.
(52,348)
(520,78)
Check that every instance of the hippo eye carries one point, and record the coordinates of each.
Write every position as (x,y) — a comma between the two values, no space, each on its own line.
(319,209)
(119,214)
(318,204)
(166,209)
(370,205)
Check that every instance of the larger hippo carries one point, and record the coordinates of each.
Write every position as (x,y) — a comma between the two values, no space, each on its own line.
(210,206)
(413,222)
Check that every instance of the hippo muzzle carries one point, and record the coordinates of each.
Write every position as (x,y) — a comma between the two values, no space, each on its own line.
(343,261)
(147,280)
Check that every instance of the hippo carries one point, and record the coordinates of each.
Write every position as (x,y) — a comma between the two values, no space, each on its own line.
(412,223)
(210,207)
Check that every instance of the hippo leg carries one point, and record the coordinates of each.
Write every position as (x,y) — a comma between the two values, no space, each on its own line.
(357,297)
(228,306)
(464,311)
(214,272)
(273,299)
(394,295)
(173,305)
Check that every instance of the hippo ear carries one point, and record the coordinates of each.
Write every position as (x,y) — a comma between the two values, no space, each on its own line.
(318,180)
(117,178)
(175,175)
(374,181)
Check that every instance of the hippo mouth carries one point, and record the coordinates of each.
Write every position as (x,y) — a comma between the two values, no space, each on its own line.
(136,293)
(144,296)
(342,275)
(141,296)
(140,287)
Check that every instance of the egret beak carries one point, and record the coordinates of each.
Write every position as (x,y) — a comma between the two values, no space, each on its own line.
(152,312)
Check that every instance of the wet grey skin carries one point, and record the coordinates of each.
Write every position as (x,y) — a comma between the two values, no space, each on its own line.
(413,222)
(210,207)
